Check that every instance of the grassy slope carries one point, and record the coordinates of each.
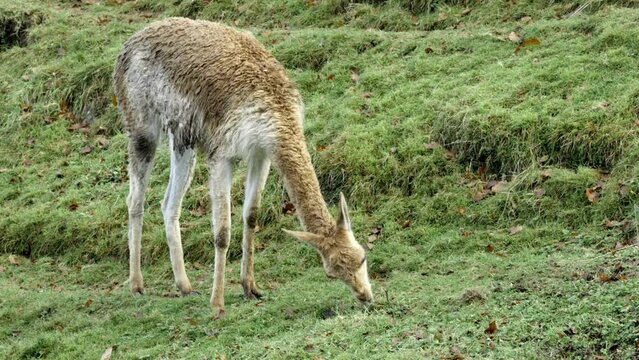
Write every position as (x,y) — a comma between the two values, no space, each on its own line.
(558,117)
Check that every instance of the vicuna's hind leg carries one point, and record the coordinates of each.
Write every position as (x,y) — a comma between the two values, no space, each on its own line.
(220,177)
(182,166)
(142,146)
(258,167)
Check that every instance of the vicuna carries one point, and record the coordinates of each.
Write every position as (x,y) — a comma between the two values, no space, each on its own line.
(210,86)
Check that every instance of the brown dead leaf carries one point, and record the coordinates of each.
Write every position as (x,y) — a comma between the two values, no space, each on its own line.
(200,266)
(2,269)
(26,107)
(330,77)
(102,142)
(355,75)
(490,248)
(481,195)
(516,229)
(442,16)
(526,19)
(288,208)
(466,11)
(545,174)
(433,145)
(624,190)
(531,42)
(406,224)
(321,148)
(499,187)
(543,159)
(74,206)
(86,150)
(539,192)
(13,260)
(107,354)
(461,211)
(88,303)
(592,194)
(429,50)
(492,328)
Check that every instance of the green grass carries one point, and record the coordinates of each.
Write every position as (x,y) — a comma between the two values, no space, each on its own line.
(414,110)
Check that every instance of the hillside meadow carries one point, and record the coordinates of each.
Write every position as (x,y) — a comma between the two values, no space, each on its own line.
(488,151)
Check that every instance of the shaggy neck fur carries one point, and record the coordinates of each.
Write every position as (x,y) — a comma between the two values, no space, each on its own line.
(294,163)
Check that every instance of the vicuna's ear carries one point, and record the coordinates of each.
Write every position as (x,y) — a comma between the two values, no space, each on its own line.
(313,239)
(343,219)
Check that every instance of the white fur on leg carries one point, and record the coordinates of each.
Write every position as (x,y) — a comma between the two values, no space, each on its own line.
(135,202)
(258,167)
(220,178)
(182,167)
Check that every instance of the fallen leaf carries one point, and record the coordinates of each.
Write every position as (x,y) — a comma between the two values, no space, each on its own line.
(330,77)
(442,16)
(604,278)
(461,211)
(499,187)
(545,174)
(26,107)
(492,328)
(540,192)
(321,148)
(86,150)
(624,190)
(406,224)
(107,354)
(543,159)
(516,229)
(514,37)
(367,95)
(526,19)
(13,260)
(88,303)
(355,75)
(614,223)
(428,50)
(490,248)
(74,206)
(531,42)
(2,269)
(619,246)
(466,11)
(592,195)
(433,145)
(480,195)
(102,142)
(288,208)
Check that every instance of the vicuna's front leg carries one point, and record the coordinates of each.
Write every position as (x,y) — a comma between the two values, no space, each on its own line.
(258,167)
(220,188)
(182,166)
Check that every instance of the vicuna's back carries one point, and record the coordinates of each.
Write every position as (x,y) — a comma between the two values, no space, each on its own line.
(212,68)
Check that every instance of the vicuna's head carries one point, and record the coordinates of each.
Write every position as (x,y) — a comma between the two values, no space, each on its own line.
(343,257)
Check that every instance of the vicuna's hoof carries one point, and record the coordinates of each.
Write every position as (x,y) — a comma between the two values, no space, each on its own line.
(252,294)
(184,287)
(220,315)
(192,293)
(137,290)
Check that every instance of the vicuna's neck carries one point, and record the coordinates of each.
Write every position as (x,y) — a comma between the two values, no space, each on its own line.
(294,163)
